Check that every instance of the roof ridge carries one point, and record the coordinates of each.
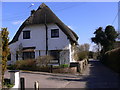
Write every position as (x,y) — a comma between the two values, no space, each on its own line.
(42,6)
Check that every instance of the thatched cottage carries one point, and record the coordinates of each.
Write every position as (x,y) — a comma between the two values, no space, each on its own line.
(43,33)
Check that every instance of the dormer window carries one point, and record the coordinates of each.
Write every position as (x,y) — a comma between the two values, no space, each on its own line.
(26,34)
(54,33)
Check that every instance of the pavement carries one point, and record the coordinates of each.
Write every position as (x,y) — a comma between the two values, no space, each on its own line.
(96,75)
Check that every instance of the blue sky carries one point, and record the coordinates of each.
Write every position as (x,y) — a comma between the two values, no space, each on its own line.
(82,17)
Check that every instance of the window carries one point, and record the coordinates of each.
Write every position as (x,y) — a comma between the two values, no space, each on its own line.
(55,54)
(54,33)
(26,34)
(28,55)
(9,57)
(39,52)
(16,56)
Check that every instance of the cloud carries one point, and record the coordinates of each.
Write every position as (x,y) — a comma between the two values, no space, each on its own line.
(17,22)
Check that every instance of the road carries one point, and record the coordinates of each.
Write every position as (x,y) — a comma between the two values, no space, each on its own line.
(96,75)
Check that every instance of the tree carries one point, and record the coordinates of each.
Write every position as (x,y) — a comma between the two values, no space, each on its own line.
(99,38)
(5,50)
(105,39)
(82,52)
(84,47)
(111,36)
(87,46)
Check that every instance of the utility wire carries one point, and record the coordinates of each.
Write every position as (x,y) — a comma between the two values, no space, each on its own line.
(17,17)
(116,16)
(69,7)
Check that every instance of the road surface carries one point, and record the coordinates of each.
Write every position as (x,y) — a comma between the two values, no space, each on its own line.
(96,75)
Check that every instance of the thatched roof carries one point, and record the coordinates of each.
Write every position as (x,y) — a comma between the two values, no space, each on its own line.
(44,15)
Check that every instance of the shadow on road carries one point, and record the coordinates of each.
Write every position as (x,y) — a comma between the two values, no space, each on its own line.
(95,76)
(101,76)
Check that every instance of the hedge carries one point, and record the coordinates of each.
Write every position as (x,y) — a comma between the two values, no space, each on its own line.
(112,59)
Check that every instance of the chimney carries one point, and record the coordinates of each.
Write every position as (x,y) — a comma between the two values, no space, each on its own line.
(32,12)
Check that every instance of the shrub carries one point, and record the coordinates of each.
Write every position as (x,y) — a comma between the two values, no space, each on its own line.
(43,69)
(43,61)
(82,55)
(29,64)
(64,65)
(7,83)
(12,67)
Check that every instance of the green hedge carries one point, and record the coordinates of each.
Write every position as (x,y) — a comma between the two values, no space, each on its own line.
(112,59)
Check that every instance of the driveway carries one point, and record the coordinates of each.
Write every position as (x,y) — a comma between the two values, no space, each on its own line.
(96,75)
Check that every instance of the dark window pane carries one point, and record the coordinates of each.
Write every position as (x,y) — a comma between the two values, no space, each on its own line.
(26,34)
(16,56)
(28,55)
(54,33)
(54,54)
(9,57)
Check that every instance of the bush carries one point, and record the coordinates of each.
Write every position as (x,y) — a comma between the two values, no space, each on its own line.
(64,65)
(112,59)
(43,61)
(11,67)
(82,55)
(7,83)
(29,64)
(41,64)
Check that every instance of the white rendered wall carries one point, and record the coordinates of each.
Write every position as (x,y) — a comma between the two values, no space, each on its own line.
(13,48)
(57,43)
(38,40)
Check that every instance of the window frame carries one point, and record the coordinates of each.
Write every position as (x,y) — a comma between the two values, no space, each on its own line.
(26,34)
(56,55)
(53,33)
(29,55)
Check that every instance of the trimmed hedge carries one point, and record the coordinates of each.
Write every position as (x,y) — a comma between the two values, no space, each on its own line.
(112,59)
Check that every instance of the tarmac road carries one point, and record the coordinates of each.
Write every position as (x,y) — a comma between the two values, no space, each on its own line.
(96,75)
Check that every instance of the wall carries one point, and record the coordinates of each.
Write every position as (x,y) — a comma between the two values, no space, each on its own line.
(112,59)
(13,49)
(38,40)
(64,57)
(82,65)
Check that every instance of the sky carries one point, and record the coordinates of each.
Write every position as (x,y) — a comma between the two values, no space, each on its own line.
(82,17)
